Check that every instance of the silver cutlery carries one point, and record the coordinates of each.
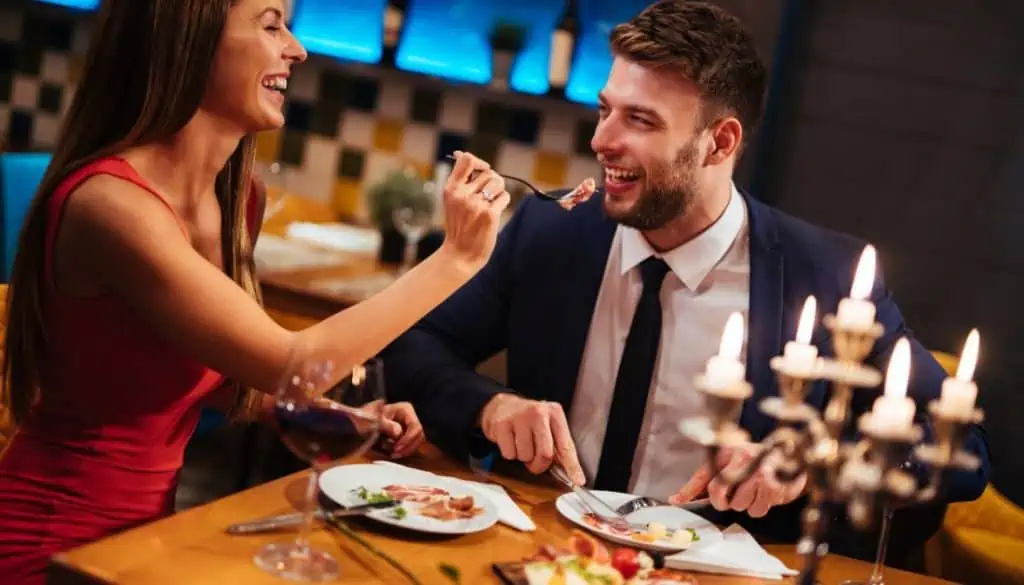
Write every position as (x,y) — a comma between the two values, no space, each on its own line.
(646,502)
(281,521)
(594,504)
(536,191)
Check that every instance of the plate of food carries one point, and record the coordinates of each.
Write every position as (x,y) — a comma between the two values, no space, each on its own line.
(665,529)
(582,560)
(423,502)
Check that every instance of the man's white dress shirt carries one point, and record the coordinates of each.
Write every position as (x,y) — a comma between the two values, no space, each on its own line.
(709,279)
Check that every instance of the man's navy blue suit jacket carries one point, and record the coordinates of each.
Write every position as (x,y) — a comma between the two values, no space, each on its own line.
(536,296)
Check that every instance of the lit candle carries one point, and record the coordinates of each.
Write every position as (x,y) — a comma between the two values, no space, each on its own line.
(893,412)
(856,311)
(800,356)
(959,393)
(725,370)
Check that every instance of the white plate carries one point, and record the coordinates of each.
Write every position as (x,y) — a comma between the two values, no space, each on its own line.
(340,484)
(569,506)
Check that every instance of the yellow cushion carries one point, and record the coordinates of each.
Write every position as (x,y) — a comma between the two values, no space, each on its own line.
(992,512)
(973,555)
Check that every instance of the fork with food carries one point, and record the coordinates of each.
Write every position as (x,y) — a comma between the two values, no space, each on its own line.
(581,193)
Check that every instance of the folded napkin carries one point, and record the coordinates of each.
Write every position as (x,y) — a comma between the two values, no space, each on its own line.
(508,512)
(736,554)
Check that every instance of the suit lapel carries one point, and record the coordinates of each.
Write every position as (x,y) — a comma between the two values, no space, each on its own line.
(588,242)
(765,315)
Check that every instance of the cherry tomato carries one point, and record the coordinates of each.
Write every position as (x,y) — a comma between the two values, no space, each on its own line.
(626,561)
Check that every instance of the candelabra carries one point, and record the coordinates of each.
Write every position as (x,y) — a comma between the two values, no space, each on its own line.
(864,474)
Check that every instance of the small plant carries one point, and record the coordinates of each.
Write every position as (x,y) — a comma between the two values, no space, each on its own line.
(400,189)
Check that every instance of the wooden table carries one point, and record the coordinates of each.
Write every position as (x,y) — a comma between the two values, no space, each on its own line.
(191,548)
(289,295)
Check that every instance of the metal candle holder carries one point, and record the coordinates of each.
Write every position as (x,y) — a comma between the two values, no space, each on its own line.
(865,474)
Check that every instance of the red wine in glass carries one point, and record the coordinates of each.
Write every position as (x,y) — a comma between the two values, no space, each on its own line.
(322,421)
(322,433)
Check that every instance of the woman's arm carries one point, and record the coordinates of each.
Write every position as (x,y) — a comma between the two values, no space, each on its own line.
(132,246)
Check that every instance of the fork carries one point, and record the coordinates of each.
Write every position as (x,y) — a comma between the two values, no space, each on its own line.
(528,185)
(646,502)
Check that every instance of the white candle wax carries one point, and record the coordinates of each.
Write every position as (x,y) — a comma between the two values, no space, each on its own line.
(893,414)
(960,393)
(958,397)
(799,357)
(723,372)
(855,313)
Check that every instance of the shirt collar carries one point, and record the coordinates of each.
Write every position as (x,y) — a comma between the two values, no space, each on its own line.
(694,260)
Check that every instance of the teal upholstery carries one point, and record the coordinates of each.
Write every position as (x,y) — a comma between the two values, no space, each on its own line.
(20,174)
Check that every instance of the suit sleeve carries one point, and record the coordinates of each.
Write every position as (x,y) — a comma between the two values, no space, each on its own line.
(433,364)
(926,377)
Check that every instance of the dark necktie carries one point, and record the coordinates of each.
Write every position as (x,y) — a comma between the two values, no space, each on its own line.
(633,382)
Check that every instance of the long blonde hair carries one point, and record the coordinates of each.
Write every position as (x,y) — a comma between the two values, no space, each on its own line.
(144,77)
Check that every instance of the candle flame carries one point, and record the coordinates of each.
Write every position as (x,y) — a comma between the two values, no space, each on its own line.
(864,278)
(732,337)
(898,375)
(969,357)
(806,325)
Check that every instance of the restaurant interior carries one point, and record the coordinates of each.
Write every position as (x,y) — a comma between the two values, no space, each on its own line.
(897,121)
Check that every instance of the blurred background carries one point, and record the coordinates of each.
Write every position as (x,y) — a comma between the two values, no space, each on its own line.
(899,121)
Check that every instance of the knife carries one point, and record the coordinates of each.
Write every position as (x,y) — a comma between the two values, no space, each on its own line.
(295,518)
(594,503)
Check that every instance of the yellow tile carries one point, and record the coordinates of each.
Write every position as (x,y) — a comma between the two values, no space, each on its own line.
(550,167)
(75,65)
(347,200)
(423,170)
(387,135)
(268,145)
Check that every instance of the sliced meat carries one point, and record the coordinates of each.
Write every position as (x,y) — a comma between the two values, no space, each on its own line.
(420,494)
(462,504)
(588,547)
(581,193)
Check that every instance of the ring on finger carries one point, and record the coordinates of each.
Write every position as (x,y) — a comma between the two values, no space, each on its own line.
(488,196)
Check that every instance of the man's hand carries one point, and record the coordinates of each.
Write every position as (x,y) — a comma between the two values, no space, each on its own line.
(531,431)
(756,495)
(401,429)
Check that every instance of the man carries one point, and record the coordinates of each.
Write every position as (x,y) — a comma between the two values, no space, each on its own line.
(609,311)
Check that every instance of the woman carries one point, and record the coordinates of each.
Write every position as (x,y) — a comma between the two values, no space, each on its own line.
(134,297)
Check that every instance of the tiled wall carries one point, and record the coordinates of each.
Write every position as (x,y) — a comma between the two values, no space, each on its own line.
(348,125)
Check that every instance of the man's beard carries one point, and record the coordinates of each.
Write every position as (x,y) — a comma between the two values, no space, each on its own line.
(669,192)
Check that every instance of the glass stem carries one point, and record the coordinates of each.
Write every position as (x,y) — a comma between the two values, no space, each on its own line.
(883,544)
(302,540)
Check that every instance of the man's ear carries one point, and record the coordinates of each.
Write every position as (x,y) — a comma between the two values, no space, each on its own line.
(726,137)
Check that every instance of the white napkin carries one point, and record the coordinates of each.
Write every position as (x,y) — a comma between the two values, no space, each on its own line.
(277,253)
(736,554)
(508,512)
(337,236)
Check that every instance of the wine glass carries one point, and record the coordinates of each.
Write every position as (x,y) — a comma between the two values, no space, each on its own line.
(413,222)
(321,420)
(276,188)
(877,578)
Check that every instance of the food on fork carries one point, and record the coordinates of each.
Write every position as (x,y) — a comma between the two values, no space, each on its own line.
(581,193)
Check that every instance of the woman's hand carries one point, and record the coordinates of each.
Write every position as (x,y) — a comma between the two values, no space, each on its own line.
(401,429)
(473,206)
